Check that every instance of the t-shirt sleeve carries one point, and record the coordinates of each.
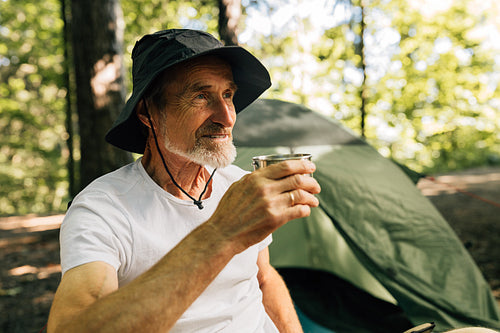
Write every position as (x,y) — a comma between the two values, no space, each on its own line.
(265,243)
(88,233)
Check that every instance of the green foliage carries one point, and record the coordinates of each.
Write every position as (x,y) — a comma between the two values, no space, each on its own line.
(432,93)
(442,95)
(32,146)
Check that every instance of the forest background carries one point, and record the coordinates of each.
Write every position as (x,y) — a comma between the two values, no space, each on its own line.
(419,81)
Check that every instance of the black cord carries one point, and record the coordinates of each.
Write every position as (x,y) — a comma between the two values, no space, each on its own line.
(198,202)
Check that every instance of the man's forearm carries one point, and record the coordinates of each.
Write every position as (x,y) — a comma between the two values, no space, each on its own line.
(156,299)
(278,304)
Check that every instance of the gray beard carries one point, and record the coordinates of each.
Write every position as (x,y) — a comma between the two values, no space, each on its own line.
(220,157)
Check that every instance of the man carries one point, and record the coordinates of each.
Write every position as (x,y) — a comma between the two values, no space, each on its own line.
(177,241)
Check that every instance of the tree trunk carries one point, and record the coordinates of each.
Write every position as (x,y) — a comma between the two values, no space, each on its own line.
(363,90)
(360,51)
(69,114)
(97,35)
(229,16)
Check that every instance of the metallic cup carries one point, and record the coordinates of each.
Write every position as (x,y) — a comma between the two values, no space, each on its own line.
(266,160)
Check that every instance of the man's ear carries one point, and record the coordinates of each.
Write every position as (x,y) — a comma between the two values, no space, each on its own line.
(141,112)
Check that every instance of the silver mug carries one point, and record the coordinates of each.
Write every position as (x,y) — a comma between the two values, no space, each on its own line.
(265,160)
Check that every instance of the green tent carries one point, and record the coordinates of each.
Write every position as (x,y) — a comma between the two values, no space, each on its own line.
(376,256)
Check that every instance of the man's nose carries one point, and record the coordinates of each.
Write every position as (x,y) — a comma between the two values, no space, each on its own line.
(224,112)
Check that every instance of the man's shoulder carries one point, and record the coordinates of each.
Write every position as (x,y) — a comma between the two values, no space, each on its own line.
(232,173)
(116,182)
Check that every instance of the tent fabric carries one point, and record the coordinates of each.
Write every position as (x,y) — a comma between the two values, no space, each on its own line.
(298,126)
(392,239)
(403,241)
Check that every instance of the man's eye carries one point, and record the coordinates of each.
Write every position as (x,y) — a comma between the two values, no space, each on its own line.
(200,96)
(228,94)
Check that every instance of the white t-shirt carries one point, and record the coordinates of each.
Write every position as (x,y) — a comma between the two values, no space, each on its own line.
(126,220)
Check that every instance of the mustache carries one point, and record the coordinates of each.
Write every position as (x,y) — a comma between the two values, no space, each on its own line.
(213,128)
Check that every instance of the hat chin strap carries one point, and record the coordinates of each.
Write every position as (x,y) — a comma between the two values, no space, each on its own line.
(198,202)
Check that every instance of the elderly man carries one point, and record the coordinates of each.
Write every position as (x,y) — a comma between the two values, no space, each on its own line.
(177,241)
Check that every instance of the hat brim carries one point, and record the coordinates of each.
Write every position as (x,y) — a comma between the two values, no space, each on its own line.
(250,76)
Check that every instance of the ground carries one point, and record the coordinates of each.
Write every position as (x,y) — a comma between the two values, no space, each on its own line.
(470,202)
(29,250)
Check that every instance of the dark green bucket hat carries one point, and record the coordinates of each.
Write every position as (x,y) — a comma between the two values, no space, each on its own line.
(156,52)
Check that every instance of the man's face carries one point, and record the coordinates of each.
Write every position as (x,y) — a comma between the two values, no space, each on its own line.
(199,112)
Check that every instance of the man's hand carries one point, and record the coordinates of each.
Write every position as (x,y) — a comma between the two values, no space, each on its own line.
(264,200)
